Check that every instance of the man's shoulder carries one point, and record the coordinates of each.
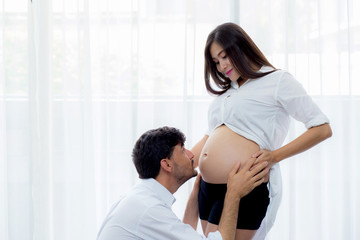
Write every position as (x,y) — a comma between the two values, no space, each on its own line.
(137,201)
(128,212)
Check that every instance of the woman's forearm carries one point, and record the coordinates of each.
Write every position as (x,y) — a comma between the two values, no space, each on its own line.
(191,214)
(196,150)
(304,142)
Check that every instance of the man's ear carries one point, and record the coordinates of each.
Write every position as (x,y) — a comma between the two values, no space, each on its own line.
(166,165)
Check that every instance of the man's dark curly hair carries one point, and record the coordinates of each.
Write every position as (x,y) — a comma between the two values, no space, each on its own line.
(152,146)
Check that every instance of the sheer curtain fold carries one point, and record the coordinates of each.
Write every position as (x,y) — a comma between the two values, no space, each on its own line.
(81,80)
(4,223)
(40,106)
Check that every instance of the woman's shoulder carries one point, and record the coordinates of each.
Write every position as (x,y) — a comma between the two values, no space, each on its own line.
(273,77)
(272,71)
(277,75)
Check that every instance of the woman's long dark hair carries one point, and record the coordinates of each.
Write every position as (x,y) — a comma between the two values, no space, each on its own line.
(242,52)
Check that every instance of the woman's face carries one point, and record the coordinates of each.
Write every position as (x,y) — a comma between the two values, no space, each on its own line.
(222,62)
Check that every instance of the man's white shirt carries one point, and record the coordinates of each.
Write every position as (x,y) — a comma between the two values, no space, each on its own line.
(145,213)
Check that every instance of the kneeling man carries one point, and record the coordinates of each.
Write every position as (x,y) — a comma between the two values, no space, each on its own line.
(164,164)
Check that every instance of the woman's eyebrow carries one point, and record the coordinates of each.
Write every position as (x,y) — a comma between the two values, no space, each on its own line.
(219,54)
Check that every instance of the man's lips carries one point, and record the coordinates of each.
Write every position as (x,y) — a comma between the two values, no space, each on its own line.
(228,72)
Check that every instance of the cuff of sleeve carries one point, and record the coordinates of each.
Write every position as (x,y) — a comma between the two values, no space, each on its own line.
(317,121)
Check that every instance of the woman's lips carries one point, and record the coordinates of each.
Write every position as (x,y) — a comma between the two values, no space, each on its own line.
(228,73)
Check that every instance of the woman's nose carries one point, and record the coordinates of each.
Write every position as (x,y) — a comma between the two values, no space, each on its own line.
(222,65)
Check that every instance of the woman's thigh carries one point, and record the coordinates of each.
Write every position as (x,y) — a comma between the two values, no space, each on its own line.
(241,234)
(244,234)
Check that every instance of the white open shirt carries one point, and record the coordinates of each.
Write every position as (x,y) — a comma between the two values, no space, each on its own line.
(260,110)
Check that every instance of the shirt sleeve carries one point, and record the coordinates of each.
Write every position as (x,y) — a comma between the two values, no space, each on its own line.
(161,223)
(297,103)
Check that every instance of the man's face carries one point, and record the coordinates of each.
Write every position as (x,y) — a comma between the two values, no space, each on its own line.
(183,164)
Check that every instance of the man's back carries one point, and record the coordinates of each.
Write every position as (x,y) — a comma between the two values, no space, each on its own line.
(127,217)
(145,213)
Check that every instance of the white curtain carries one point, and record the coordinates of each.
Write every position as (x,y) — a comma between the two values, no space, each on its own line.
(80,80)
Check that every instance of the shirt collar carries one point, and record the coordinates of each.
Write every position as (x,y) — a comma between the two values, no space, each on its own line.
(262,69)
(163,194)
(234,85)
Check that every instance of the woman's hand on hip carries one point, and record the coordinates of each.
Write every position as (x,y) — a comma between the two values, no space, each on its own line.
(264,155)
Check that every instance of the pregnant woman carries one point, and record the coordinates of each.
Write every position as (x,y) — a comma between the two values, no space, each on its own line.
(249,117)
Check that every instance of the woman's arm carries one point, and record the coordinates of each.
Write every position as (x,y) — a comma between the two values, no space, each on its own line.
(302,143)
(191,215)
(196,150)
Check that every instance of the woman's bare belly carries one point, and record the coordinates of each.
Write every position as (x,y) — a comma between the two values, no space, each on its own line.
(222,150)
